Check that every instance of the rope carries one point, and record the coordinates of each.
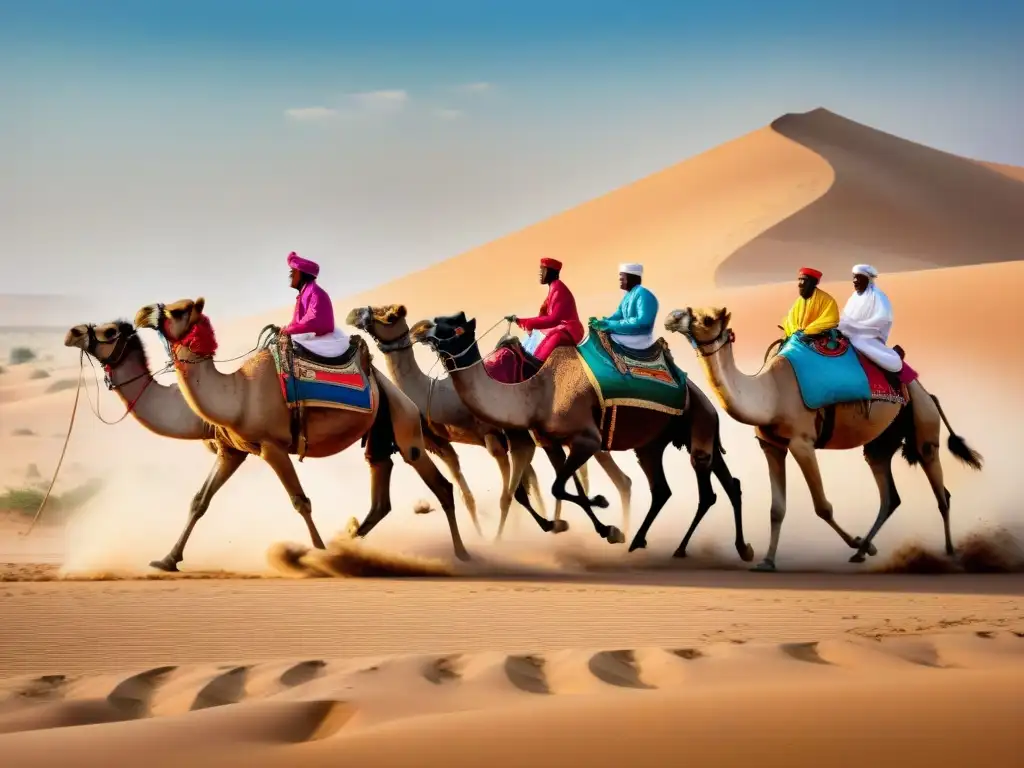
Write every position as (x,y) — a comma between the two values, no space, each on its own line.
(67,439)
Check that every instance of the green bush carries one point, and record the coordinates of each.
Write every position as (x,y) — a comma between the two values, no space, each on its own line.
(26,501)
(21,355)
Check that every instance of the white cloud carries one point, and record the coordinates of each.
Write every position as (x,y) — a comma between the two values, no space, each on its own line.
(311,114)
(479,87)
(442,113)
(388,100)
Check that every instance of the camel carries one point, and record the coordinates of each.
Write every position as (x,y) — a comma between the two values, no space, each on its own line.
(160,409)
(251,412)
(448,419)
(560,406)
(771,402)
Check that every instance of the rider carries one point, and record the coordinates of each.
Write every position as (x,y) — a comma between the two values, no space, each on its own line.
(558,318)
(312,324)
(867,319)
(814,311)
(632,324)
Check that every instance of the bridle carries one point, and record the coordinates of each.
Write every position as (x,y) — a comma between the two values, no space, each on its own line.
(722,340)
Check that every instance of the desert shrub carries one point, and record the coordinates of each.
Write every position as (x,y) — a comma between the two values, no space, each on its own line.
(23,432)
(39,373)
(21,355)
(26,501)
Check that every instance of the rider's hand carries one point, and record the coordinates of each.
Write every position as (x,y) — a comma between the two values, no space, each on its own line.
(511,318)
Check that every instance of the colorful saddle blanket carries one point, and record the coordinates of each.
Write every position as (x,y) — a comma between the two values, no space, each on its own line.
(317,382)
(641,378)
(509,363)
(830,371)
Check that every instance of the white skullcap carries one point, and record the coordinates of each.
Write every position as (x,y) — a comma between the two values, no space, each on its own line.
(632,269)
(867,270)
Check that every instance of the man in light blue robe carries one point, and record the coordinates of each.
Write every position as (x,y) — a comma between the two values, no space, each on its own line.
(632,324)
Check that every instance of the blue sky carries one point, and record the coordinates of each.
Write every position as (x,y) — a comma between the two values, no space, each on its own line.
(201,141)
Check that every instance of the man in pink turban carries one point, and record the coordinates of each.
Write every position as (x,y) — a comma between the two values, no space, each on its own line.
(312,324)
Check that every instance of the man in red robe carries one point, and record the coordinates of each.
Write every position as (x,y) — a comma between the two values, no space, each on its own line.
(558,320)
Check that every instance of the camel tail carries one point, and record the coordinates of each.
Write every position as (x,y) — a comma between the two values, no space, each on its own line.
(956,444)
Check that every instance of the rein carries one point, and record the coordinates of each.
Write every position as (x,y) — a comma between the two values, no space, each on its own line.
(725,338)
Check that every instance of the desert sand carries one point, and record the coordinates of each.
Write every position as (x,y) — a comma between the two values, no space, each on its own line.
(548,649)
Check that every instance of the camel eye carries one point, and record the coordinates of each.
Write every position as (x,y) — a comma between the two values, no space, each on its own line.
(177,314)
(707,321)
(108,334)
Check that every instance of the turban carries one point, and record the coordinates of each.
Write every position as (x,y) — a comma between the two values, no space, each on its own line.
(303,265)
(554,264)
(632,269)
(867,270)
(808,272)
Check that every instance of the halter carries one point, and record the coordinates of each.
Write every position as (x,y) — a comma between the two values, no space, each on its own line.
(395,345)
(725,338)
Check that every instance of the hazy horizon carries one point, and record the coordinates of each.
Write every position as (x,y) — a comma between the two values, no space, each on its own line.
(203,144)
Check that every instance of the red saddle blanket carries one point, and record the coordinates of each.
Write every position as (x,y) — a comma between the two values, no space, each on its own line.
(509,365)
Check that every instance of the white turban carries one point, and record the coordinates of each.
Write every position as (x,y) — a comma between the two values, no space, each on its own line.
(867,270)
(632,269)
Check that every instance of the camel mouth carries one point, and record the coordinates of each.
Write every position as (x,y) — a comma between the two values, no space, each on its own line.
(678,321)
(74,338)
(148,317)
(423,332)
(359,318)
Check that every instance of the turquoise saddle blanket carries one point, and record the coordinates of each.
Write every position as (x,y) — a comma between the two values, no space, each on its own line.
(828,369)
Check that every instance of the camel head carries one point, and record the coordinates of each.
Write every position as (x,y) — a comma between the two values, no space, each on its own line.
(109,343)
(181,324)
(386,324)
(701,326)
(450,336)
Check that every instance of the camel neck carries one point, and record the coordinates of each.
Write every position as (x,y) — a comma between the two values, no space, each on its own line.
(407,374)
(509,406)
(748,399)
(214,396)
(160,409)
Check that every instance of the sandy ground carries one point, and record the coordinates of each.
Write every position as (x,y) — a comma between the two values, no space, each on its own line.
(255,656)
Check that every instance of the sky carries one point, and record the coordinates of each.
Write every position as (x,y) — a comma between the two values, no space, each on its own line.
(151,151)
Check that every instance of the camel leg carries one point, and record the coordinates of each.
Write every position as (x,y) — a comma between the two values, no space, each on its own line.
(531,491)
(281,463)
(927,434)
(802,449)
(380,495)
(500,454)
(443,490)
(880,462)
(651,457)
(227,462)
(446,452)
(522,455)
(580,451)
(776,458)
(623,484)
(732,488)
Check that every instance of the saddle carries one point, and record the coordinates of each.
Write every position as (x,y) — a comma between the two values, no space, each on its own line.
(621,355)
(530,363)
(344,380)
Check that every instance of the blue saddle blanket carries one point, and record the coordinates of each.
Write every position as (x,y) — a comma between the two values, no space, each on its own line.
(828,370)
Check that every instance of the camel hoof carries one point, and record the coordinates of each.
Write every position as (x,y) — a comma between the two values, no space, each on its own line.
(765,566)
(463,555)
(638,543)
(857,557)
(560,526)
(679,554)
(858,543)
(599,501)
(615,536)
(167,565)
(746,554)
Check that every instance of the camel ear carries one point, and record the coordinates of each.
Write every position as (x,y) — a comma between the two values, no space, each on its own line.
(725,317)
(400,312)
(471,324)
(198,306)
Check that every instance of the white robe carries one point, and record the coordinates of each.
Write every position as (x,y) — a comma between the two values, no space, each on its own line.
(866,320)
(333,344)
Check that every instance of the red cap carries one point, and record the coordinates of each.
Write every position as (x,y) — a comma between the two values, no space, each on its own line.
(810,273)
(551,264)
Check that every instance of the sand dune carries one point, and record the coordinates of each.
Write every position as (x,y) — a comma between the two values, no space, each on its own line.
(920,699)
